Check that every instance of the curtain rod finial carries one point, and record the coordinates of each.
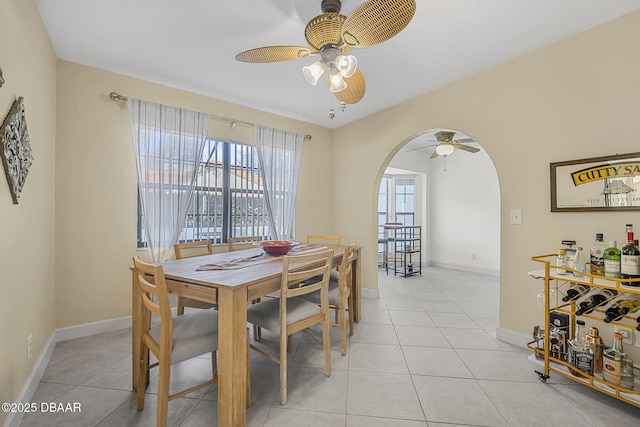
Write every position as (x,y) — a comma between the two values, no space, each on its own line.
(307,137)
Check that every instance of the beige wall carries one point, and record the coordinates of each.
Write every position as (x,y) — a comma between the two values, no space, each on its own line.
(575,99)
(96,186)
(27,247)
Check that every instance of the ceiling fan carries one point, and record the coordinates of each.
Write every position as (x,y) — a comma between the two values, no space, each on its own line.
(331,35)
(446,144)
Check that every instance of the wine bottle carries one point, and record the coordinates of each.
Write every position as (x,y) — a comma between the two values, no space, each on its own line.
(630,261)
(575,292)
(621,308)
(612,260)
(595,301)
(597,255)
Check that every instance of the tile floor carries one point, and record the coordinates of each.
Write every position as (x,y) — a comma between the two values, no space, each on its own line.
(424,354)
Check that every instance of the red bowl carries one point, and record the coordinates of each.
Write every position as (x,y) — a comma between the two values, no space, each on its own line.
(277,247)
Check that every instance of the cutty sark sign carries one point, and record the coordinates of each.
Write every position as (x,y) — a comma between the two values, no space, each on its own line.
(600,183)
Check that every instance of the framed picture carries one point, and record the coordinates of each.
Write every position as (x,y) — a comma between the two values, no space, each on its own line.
(610,183)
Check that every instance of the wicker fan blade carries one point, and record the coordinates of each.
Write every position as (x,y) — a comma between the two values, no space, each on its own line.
(434,155)
(376,21)
(273,54)
(465,140)
(466,147)
(355,89)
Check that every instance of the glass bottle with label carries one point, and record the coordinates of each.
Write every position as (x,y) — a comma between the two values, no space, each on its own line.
(630,260)
(612,260)
(579,355)
(561,263)
(597,255)
(579,263)
(612,361)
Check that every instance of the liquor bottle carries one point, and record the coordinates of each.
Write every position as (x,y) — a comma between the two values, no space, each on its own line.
(597,255)
(575,292)
(580,263)
(569,252)
(561,263)
(596,347)
(579,355)
(626,373)
(630,260)
(621,308)
(612,260)
(595,301)
(612,361)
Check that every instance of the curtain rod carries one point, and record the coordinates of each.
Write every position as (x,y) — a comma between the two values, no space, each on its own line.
(114,96)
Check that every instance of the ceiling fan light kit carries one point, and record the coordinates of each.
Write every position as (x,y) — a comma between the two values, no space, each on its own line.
(445,149)
(331,35)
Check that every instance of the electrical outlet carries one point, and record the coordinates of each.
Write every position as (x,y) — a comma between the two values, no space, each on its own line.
(29,346)
(627,335)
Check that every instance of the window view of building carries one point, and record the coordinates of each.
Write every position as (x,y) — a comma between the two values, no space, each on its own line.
(228,197)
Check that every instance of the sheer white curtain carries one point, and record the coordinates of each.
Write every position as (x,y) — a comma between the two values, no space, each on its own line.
(279,153)
(168,143)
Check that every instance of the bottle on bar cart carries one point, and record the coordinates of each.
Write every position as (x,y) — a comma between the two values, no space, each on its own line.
(595,301)
(630,259)
(612,361)
(626,373)
(561,263)
(579,355)
(597,255)
(612,260)
(621,308)
(575,292)
(579,263)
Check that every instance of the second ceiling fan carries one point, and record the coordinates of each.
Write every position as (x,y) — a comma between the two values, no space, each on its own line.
(331,35)
(445,144)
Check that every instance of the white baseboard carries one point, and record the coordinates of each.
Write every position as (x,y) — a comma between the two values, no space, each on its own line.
(471,269)
(92,328)
(15,418)
(512,337)
(370,293)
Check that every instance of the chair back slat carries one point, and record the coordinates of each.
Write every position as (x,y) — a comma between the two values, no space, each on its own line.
(299,268)
(152,285)
(193,249)
(326,239)
(238,243)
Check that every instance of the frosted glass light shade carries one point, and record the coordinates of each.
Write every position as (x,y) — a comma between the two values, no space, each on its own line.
(445,149)
(313,72)
(346,64)
(336,82)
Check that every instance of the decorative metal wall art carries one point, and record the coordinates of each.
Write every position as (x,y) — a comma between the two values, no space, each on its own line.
(16,148)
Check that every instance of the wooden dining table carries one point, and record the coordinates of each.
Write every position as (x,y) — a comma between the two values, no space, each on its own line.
(231,289)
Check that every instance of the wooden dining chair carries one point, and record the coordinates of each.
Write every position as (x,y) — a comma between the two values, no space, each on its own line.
(340,298)
(325,239)
(172,340)
(238,243)
(291,313)
(189,250)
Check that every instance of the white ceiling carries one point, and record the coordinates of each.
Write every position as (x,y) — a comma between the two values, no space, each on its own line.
(191,45)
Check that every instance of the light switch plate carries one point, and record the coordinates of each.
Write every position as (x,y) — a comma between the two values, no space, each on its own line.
(516,216)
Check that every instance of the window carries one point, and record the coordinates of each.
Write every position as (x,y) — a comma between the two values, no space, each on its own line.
(396,199)
(228,198)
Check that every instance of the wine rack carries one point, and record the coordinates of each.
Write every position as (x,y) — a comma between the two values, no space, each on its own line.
(405,243)
(553,303)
